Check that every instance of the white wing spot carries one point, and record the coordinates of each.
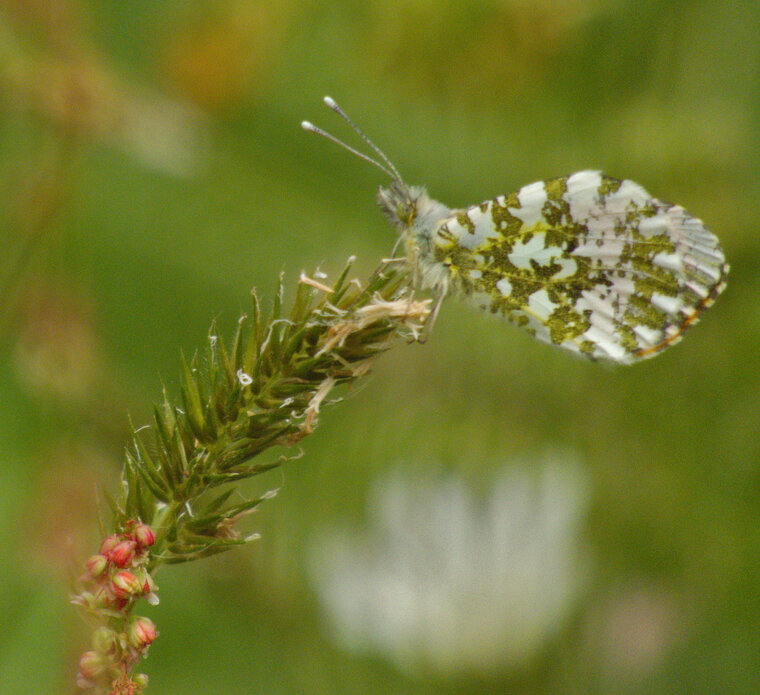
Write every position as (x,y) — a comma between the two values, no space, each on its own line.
(533,250)
(532,198)
(650,226)
(540,304)
(669,261)
(670,305)
(504,286)
(568,268)
(632,193)
(583,194)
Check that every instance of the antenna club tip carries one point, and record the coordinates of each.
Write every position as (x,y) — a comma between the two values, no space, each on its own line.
(330,102)
(306,125)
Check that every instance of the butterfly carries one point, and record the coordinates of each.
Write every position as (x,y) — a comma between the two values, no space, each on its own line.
(585,262)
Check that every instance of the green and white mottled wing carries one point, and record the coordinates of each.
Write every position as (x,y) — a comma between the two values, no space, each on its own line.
(586,262)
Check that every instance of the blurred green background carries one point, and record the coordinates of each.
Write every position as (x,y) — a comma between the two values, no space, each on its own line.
(152,171)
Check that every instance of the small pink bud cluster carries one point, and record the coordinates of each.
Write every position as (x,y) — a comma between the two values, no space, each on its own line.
(114,579)
(118,574)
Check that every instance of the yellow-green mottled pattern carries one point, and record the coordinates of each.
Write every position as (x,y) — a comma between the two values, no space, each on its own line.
(586,262)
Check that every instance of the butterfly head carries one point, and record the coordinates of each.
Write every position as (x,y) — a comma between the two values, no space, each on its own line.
(402,204)
(408,208)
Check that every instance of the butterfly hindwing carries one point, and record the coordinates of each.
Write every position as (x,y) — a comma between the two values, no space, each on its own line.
(586,262)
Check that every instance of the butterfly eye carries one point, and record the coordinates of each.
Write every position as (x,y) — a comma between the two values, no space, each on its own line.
(406,213)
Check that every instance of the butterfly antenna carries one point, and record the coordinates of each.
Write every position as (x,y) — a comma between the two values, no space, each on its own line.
(334,106)
(306,125)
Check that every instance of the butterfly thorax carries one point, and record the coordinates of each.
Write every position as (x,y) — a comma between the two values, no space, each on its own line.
(411,210)
(417,217)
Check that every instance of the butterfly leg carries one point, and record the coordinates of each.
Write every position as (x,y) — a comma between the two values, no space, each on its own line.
(432,317)
(395,246)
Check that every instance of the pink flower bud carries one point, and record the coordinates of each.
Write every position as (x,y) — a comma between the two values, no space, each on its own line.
(141,632)
(117,603)
(91,666)
(96,565)
(144,535)
(148,585)
(123,553)
(125,584)
(106,597)
(108,543)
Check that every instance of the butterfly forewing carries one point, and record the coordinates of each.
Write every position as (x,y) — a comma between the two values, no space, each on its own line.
(586,262)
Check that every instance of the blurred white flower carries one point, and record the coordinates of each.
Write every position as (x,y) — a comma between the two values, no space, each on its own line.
(444,581)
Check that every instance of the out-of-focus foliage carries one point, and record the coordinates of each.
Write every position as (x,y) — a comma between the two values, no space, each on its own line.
(152,171)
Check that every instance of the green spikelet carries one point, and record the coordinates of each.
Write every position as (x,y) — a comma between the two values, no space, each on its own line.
(260,392)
